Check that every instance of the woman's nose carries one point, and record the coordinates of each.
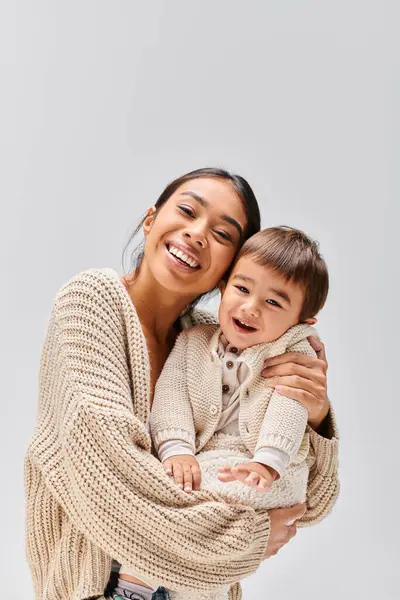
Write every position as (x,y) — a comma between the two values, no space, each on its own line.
(197,236)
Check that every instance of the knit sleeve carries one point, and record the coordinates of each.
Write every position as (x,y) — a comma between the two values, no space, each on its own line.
(171,413)
(112,489)
(283,426)
(323,481)
(285,419)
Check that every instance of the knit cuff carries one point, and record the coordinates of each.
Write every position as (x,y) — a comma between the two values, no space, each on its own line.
(173,434)
(260,535)
(235,592)
(174,448)
(326,453)
(280,442)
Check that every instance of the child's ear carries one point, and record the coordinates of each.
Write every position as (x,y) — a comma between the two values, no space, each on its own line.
(310,321)
(149,220)
(222,286)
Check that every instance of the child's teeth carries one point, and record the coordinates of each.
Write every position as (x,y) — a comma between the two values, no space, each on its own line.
(245,324)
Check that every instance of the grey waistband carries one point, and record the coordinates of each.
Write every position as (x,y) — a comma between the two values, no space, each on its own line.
(126,589)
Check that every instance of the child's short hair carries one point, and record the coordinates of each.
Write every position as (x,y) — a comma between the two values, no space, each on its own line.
(295,256)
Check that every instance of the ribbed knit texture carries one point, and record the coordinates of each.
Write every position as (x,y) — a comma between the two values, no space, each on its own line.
(93,490)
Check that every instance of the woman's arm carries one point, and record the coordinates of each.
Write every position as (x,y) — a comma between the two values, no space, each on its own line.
(98,463)
(119,496)
(323,482)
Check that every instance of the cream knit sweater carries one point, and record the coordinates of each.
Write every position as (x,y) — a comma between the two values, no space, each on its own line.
(94,491)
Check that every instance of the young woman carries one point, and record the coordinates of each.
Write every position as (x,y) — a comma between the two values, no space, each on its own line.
(94,490)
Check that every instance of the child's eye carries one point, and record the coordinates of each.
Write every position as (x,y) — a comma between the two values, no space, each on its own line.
(273,303)
(242,289)
(187,210)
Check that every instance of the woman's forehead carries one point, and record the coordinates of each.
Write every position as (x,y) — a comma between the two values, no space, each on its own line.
(214,194)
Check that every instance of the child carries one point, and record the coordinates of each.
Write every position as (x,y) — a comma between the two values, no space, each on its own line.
(211,399)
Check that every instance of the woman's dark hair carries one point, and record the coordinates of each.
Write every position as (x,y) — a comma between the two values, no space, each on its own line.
(242,189)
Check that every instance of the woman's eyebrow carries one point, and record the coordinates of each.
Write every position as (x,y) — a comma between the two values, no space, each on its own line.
(205,202)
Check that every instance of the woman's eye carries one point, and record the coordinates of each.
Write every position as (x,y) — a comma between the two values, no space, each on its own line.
(190,213)
(187,210)
(224,235)
(242,289)
(273,303)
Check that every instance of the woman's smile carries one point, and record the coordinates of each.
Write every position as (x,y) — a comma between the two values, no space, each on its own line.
(184,255)
(194,236)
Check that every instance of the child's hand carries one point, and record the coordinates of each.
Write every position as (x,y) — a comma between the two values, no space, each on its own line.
(253,474)
(185,470)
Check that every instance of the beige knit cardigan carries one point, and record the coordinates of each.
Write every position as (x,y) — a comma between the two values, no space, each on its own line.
(94,491)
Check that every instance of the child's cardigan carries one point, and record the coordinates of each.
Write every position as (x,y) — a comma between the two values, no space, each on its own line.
(188,403)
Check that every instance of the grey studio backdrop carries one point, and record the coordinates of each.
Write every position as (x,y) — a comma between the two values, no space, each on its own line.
(103,102)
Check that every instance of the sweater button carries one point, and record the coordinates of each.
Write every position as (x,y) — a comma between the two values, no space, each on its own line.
(229,364)
(234,350)
(213,409)
(225,388)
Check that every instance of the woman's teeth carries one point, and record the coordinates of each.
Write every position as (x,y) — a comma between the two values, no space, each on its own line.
(183,257)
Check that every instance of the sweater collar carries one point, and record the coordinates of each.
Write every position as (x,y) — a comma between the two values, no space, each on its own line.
(255,356)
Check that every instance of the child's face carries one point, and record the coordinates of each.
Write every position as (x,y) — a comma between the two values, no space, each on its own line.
(258,305)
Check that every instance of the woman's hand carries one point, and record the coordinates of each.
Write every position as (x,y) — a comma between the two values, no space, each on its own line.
(302,378)
(282,527)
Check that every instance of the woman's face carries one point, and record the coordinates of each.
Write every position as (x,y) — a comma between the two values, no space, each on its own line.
(192,240)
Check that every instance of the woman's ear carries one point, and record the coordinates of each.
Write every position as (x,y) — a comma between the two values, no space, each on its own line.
(149,220)
(310,321)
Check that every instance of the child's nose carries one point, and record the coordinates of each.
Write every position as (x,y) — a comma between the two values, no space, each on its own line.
(252,309)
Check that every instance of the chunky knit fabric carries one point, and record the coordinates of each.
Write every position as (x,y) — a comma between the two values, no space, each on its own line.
(94,491)
(187,406)
(188,403)
(188,397)
(226,449)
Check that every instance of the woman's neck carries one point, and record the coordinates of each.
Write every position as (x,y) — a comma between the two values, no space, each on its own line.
(157,308)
